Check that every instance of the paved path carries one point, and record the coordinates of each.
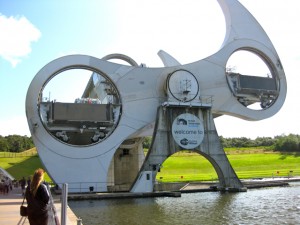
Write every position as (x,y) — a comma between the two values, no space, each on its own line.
(10,209)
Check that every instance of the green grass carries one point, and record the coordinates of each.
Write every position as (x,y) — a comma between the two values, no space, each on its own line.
(194,167)
(21,164)
(183,166)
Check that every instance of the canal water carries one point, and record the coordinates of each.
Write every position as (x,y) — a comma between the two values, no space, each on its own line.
(276,205)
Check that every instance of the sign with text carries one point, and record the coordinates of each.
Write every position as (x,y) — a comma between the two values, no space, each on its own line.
(187,131)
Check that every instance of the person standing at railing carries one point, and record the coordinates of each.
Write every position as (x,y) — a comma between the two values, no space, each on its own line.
(37,197)
(23,184)
(6,185)
(28,181)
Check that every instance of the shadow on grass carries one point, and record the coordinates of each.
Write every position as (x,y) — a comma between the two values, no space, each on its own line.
(25,168)
(284,155)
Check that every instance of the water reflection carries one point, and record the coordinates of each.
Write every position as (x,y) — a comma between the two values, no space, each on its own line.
(257,206)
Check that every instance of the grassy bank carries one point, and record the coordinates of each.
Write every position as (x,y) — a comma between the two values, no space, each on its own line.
(21,164)
(184,166)
(191,166)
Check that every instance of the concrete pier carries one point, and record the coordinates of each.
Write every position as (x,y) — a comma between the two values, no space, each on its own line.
(10,209)
(120,195)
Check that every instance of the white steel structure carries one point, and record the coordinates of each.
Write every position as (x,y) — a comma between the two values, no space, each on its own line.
(79,143)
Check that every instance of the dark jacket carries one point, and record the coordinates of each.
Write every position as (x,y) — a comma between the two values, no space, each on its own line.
(38,204)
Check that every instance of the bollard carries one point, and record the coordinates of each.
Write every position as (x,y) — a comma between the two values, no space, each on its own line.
(64,204)
(79,221)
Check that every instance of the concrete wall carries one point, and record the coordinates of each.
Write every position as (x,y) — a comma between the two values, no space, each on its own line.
(125,167)
(169,186)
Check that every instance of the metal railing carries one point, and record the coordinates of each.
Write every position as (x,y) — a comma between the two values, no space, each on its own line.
(84,187)
(17,154)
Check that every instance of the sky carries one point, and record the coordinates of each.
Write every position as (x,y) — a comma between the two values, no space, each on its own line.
(33,33)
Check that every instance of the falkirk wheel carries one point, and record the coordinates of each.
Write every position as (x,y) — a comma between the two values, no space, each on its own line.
(95,142)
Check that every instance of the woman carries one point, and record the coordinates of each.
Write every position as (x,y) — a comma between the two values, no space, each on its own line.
(37,197)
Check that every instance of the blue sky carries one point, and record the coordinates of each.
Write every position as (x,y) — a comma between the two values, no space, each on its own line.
(33,33)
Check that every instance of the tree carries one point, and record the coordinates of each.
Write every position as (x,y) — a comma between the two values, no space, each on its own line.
(264,141)
(147,142)
(3,144)
(15,143)
(290,143)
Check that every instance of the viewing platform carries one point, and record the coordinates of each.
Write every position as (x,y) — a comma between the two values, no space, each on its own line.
(10,209)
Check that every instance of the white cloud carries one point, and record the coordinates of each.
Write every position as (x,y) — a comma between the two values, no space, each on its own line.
(188,30)
(14,125)
(17,34)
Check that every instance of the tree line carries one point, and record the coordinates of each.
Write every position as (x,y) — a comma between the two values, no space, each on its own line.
(283,143)
(15,143)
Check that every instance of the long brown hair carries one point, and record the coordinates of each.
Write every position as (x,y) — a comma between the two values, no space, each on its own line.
(36,181)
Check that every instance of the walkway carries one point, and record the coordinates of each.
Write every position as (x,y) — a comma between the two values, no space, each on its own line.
(10,209)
